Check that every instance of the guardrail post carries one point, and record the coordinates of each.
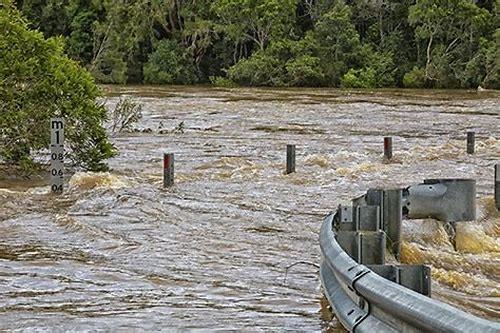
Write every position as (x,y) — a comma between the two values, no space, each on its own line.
(290,159)
(393,218)
(366,248)
(345,219)
(168,170)
(471,142)
(497,185)
(414,277)
(388,147)
(367,218)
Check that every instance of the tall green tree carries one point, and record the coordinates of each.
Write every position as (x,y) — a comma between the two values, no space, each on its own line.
(257,20)
(451,30)
(120,38)
(338,42)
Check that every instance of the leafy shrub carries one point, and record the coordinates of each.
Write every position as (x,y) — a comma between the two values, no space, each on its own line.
(304,71)
(415,78)
(125,114)
(261,69)
(37,82)
(383,67)
(220,81)
(169,64)
(359,78)
(283,63)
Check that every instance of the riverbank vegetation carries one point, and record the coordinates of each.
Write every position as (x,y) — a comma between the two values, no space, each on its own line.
(38,82)
(357,43)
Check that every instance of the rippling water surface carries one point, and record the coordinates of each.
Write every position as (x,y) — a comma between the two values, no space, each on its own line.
(119,252)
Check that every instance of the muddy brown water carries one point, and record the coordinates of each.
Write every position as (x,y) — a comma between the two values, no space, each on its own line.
(117,252)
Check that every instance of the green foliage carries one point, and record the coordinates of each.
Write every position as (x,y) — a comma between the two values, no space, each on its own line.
(491,63)
(415,78)
(219,81)
(484,68)
(49,16)
(360,78)
(304,71)
(119,38)
(262,69)
(338,42)
(451,31)
(169,64)
(80,44)
(125,114)
(256,20)
(283,63)
(37,82)
(278,42)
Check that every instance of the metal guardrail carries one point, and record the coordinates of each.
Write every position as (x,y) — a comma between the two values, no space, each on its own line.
(397,300)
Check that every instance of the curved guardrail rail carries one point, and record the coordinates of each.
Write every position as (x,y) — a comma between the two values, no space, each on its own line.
(364,301)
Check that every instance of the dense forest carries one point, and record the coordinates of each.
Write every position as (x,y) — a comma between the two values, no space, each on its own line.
(357,43)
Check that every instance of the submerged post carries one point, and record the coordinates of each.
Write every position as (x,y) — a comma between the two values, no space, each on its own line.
(388,147)
(290,159)
(57,155)
(497,185)
(471,142)
(168,170)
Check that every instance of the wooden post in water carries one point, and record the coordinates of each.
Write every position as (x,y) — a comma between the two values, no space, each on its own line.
(388,147)
(290,159)
(497,185)
(471,142)
(168,170)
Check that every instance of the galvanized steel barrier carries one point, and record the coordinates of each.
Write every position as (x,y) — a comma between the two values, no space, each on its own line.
(368,296)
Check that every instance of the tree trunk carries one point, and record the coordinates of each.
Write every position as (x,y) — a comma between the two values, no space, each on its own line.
(427,65)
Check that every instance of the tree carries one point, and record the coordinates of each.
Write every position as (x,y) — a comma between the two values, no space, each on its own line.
(37,82)
(169,64)
(48,16)
(451,29)
(338,42)
(256,20)
(120,38)
(363,43)
(83,15)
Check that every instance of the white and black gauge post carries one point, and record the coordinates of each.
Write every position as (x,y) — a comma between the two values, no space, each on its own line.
(57,155)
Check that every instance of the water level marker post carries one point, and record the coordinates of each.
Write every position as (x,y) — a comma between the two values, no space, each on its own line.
(57,155)
(497,185)
(290,159)
(168,170)
(388,147)
(471,142)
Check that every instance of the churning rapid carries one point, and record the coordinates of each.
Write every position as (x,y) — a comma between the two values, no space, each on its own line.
(117,251)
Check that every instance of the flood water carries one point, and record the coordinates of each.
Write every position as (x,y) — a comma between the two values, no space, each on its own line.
(118,252)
